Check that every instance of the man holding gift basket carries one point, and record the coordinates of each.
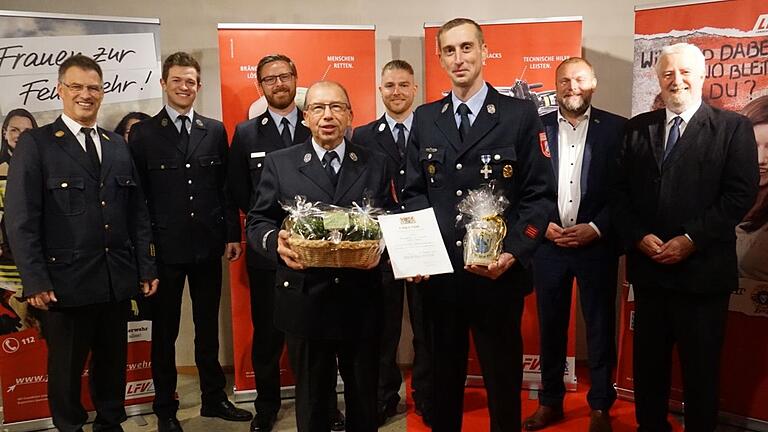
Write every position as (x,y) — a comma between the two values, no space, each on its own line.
(485,148)
(326,297)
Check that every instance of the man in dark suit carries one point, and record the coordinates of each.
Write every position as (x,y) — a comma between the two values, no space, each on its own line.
(279,127)
(181,157)
(325,312)
(389,135)
(686,176)
(79,229)
(467,139)
(579,244)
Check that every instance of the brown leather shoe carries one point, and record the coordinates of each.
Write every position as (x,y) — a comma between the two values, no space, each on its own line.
(599,421)
(543,417)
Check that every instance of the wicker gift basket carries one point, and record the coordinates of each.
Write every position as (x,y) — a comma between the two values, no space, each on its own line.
(329,236)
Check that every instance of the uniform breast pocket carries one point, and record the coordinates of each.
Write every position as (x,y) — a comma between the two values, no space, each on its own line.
(209,168)
(256,163)
(162,165)
(67,195)
(432,161)
(502,163)
(125,186)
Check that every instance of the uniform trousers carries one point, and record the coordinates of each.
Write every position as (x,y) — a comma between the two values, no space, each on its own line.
(495,330)
(205,292)
(314,363)
(390,377)
(71,333)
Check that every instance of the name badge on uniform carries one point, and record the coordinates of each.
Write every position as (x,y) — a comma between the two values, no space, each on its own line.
(255,155)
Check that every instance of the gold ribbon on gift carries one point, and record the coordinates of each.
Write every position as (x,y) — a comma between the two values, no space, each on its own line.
(502,229)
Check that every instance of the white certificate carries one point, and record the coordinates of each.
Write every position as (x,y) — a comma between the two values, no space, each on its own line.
(414,243)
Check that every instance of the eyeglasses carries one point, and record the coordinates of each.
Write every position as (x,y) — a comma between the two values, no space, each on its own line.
(319,108)
(77,88)
(272,79)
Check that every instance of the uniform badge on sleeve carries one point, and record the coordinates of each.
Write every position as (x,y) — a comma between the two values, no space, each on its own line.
(544,144)
(531,231)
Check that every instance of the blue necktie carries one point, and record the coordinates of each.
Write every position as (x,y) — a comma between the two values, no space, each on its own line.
(286,134)
(330,156)
(400,143)
(464,125)
(674,135)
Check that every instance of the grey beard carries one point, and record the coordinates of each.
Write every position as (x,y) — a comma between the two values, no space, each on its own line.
(575,109)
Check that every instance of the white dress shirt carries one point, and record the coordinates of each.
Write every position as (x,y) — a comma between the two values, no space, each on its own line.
(685,115)
(571,141)
(336,163)
(75,127)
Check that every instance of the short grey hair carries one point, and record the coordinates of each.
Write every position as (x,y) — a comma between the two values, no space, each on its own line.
(685,49)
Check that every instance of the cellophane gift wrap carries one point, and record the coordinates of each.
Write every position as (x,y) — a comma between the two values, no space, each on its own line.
(482,215)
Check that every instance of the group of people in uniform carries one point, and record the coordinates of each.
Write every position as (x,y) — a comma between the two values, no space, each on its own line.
(91,218)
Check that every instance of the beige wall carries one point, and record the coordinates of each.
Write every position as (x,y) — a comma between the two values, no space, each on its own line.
(191,26)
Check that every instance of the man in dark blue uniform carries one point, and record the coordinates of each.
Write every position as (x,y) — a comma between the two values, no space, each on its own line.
(279,127)
(79,228)
(326,313)
(473,136)
(389,135)
(580,243)
(181,157)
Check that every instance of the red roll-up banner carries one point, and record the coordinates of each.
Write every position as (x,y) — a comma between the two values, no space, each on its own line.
(342,53)
(522,57)
(733,35)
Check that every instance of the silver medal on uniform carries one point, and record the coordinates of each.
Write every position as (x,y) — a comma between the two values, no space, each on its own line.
(486,170)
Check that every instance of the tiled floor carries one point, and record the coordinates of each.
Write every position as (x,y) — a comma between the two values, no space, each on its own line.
(189,414)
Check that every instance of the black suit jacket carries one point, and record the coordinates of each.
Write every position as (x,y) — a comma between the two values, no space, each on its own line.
(441,169)
(378,136)
(703,189)
(80,233)
(191,218)
(319,303)
(253,140)
(603,139)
